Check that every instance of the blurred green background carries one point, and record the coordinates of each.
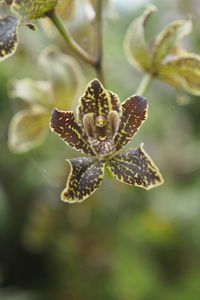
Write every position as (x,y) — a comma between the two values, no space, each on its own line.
(123,243)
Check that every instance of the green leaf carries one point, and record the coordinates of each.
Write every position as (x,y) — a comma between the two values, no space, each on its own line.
(136,168)
(183,71)
(135,44)
(32,91)
(64,124)
(65,75)
(85,177)
(168,39)
(33,9)
(134,112)
(8,36)
(27,129)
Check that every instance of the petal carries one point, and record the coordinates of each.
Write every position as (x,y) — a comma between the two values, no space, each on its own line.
(135,167)
(27,130)
(66,9)
(33,9)
(134,112)
(31,91)
(168,39)
(8,36)
(64,124)
(65,75)
(85,177)
(182,72)
(98,101)
(135,45)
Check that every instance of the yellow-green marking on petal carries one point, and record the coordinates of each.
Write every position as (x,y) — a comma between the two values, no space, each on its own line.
(64,124)
(8,36)
(85,177)
(33,9)
(136,168)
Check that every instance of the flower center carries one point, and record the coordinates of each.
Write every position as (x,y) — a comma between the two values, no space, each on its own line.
(100,121)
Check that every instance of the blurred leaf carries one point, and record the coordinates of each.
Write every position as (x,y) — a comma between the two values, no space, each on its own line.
(167,40)
(27,129)
(65,75)
(184,71)
(136,47)
(134,275)
(8,36)
(31,91)
(33,9)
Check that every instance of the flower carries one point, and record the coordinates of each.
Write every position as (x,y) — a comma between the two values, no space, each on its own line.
(164,58)
(24,11)
(101,127)
(29,126)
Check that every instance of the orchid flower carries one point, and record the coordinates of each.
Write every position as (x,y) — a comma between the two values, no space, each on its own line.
(164,58)
(101,127)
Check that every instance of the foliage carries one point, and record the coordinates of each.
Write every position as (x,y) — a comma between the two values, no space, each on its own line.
(124,242)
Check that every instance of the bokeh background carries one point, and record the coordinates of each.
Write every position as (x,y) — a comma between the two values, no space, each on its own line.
(123,243)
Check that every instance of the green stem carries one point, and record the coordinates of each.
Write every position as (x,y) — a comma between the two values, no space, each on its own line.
(69,39)
(99,41)
(144,84)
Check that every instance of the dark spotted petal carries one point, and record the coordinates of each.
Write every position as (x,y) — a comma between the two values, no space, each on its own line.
(135,167)
(134,112)
(85,177)
(33,9)
(98,101)
(64,124)
(8,36)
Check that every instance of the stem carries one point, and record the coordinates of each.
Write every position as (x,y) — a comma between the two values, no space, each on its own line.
(144,84)
(99,41)
(69,39)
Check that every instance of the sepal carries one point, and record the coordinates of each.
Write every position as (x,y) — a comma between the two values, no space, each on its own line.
(85,177)
(135,167)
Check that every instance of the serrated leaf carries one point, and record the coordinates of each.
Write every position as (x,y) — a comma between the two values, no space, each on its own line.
(134,112)
(135,44)
(65,75)
(31,91)
(33,9)
(136,168)
(183,71)
(168,39)
(27,130)
(85,177)
(64,124)
(8,36)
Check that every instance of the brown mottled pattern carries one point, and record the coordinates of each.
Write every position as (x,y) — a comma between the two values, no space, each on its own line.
(102,148)
(85,177)
(98,100)
(135,167)
(64,124)
(8,35)
(33,9)
(134,112)
(6,2)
